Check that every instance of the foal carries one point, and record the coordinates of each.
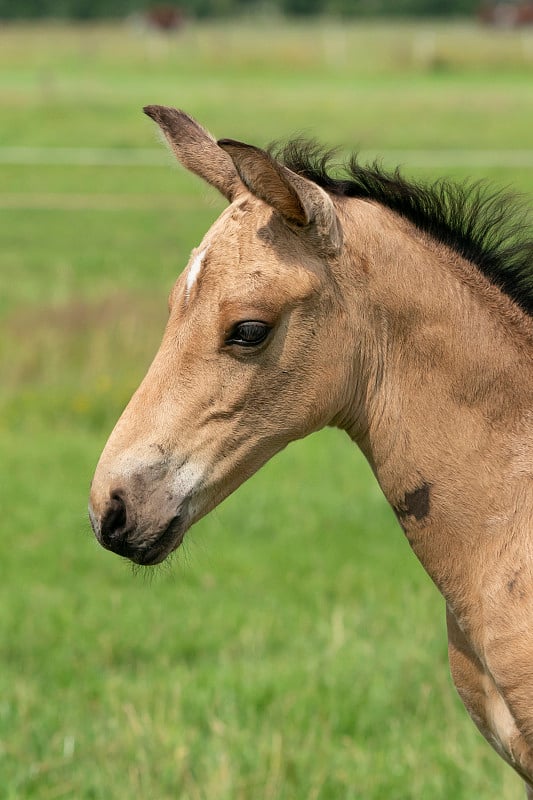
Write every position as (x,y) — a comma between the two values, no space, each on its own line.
(399,313)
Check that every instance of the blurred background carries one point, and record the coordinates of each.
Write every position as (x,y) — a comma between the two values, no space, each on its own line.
(293,648)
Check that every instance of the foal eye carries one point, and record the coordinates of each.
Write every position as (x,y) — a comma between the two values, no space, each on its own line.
(248,334)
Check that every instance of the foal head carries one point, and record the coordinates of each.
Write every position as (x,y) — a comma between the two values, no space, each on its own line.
(251,357)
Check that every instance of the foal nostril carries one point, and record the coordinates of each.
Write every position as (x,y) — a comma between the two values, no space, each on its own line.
(115,520)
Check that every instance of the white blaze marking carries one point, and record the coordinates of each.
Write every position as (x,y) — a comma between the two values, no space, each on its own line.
(194,271)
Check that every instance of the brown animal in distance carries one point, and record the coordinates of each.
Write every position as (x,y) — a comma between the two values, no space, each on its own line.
(397,312)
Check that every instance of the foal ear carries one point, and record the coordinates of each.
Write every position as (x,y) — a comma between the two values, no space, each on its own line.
(300,201)
(197,150)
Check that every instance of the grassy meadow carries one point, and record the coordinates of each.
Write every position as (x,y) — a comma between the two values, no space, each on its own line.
(293,649)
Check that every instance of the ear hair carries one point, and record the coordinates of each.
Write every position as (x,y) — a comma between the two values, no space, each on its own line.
(267,179)
(300,201)
(197,150)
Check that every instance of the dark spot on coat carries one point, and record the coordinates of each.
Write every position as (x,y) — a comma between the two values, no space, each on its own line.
(415,504)
(515,584)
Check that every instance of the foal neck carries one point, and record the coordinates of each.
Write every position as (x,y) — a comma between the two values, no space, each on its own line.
(443,385)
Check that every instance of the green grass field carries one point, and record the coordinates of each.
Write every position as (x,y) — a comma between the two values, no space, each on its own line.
(293,649)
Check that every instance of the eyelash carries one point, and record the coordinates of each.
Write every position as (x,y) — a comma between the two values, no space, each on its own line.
(249,333)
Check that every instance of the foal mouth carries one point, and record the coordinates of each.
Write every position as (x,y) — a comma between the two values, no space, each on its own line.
(155,552)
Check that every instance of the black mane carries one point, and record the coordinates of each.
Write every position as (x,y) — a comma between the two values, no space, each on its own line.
(488,228)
